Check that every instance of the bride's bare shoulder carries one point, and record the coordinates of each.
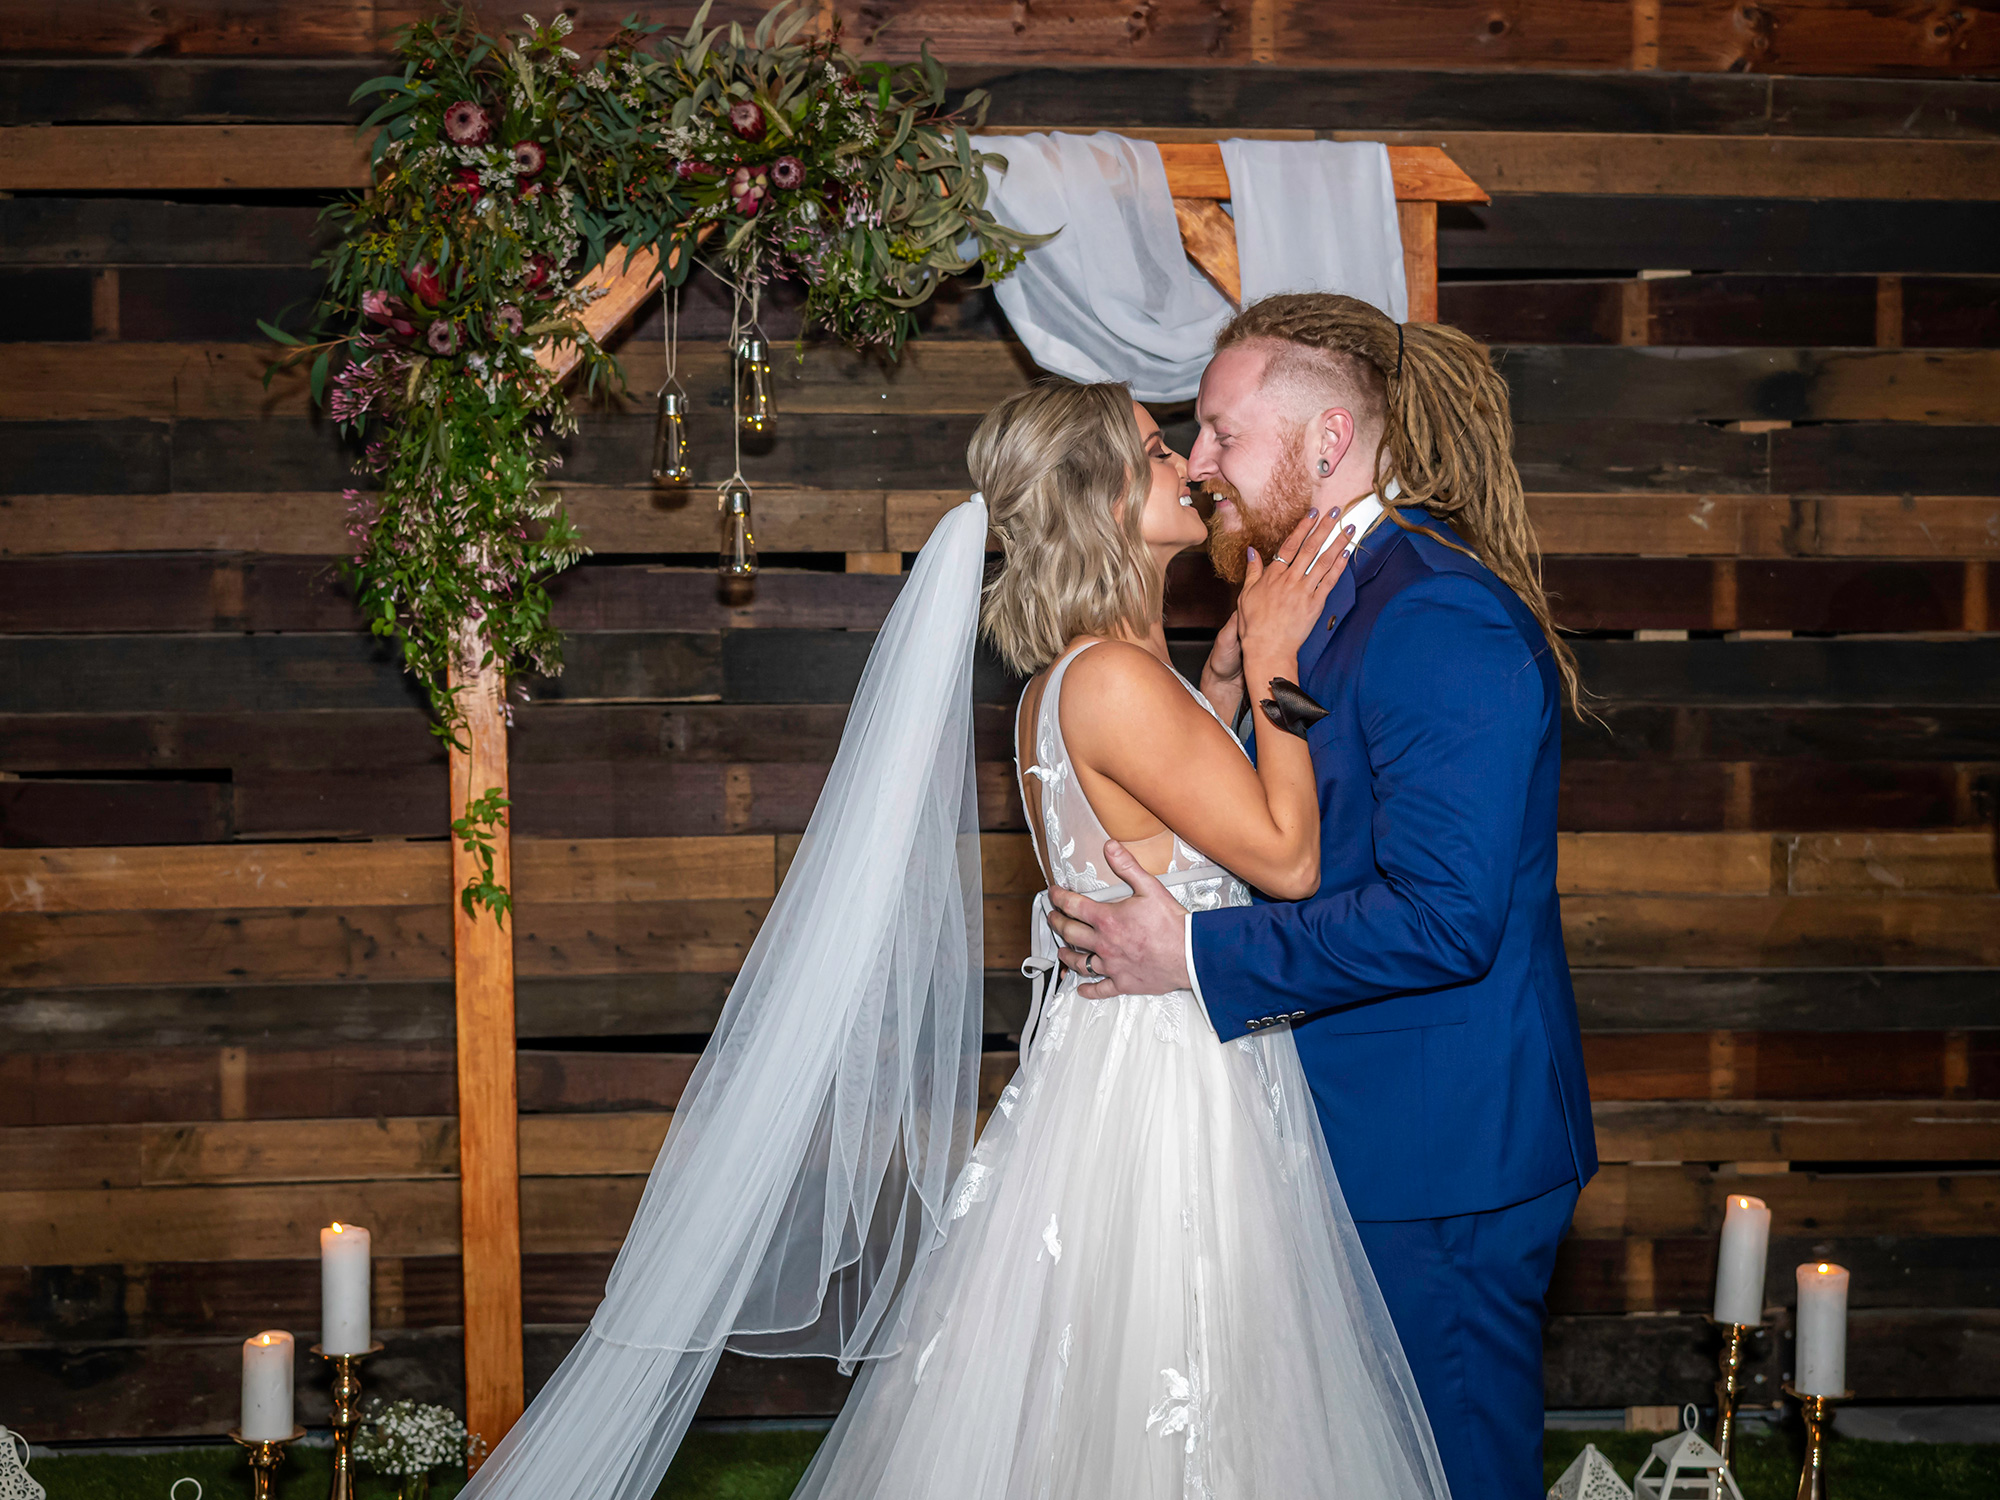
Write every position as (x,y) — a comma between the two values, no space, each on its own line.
(1117,686)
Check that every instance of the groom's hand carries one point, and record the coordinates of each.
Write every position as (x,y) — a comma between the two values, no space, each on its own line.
(1131,947)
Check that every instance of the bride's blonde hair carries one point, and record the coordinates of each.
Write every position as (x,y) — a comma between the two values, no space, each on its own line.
(1065,475)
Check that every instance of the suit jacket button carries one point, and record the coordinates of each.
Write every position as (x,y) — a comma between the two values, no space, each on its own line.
(1298,1015)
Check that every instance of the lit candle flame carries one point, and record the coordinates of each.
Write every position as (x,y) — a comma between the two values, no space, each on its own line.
(1824,1267)
(337,1226)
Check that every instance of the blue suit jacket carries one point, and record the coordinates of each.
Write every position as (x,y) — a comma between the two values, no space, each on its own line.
(1440,1033)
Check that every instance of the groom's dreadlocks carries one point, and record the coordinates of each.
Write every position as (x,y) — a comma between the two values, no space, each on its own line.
(1446,432)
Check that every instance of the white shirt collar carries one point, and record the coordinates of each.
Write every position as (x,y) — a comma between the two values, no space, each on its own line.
(1362,516)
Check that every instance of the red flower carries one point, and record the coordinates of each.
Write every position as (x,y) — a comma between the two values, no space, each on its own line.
(747,189)
(540,268)
(747,119)
(466,124)
(391,312)
(507,322)
(424,285)
(529,158)
(466,179)
(687,171)
(787,172)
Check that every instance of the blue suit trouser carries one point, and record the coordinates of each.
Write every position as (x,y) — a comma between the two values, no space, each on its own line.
(1468,1296)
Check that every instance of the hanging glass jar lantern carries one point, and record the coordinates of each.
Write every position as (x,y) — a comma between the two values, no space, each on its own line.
(737,556)
(670,444)
(753,384)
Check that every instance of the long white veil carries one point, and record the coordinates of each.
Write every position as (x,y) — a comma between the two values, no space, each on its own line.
(805,1176)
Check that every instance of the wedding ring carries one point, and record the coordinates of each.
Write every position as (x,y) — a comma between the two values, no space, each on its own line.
(1090,965)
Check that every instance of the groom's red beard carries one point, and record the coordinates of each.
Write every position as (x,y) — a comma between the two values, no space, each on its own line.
(1264,525)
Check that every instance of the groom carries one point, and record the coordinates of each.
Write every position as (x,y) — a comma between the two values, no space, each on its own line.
(1425,983)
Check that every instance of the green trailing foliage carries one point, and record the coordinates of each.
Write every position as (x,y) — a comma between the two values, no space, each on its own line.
(506,167)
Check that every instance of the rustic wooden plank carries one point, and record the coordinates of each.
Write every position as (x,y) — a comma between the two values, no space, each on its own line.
(1741,932)
(626,1144)
(129,158)
(398,874)
(1677,1274)
(1795,385)
(197,90)
(1676,1200)
(1787,1065)
(1546,232)
(1819,1130)
(274,945)
(1885,863)
(1671,521)
(179,157)
(591,1214)
(162,810)
(1801,1000)
(1814,36)
(1711,166)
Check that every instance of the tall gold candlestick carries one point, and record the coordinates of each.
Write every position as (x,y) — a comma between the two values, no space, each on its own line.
(1729,1385)
(265,1456)
(346,1412)
(1818,1414)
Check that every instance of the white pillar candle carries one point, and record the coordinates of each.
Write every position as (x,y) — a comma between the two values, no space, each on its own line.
(1822,1347)
(1739,1268)
(343,1290)
(267,1387)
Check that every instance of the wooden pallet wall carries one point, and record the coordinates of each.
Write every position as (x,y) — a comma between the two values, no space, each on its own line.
(1742,271)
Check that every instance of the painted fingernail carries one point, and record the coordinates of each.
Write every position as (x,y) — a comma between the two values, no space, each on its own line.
(1253,553)
(1349,531)
(1312,513)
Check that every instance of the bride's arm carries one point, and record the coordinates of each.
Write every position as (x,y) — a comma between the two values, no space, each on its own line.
(1132,722)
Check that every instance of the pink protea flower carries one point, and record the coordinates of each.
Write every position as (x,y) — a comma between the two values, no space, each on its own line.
(787,172)
(442,337)
(529,158)
(391,312)
(747,189)
(466,124)
(688,170)
(507,322)
(747,119)
(424,285)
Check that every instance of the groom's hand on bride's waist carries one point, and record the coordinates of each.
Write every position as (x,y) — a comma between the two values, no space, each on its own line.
(1131,947)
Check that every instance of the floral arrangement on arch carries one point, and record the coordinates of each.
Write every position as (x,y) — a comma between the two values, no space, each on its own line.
(506,167)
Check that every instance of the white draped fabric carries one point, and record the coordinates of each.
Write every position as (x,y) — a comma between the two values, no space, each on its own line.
(1113,297)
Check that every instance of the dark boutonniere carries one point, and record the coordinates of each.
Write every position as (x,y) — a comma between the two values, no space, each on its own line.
(1290,707)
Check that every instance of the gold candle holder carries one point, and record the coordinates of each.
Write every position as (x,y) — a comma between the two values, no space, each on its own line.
(265,1456)
(346,1412)
(1729,1385)
(1818,1414)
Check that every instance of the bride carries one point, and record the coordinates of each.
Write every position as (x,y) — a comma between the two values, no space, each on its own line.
(1142,1280)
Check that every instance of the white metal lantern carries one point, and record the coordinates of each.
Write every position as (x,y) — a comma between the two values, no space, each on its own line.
(1590,1477)
(1689,1469)
(14,1481)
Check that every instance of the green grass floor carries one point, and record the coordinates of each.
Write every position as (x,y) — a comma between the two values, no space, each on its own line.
(765,1465)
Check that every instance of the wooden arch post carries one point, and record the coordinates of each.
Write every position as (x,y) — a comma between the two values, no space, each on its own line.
(489,1169)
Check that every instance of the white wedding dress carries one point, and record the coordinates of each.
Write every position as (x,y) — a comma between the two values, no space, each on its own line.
(1149,1285)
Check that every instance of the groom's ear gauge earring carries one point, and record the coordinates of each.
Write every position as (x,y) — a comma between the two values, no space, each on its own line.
(1325,468)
